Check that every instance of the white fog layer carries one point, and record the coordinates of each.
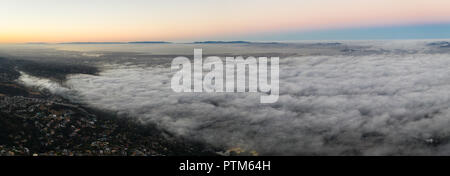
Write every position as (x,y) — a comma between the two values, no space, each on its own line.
(368,103)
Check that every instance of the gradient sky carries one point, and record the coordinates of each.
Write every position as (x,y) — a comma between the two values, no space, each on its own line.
(175,20)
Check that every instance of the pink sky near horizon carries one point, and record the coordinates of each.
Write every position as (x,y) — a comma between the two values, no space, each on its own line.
(169,20)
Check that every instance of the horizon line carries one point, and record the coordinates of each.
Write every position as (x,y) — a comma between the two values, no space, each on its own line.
(216,41)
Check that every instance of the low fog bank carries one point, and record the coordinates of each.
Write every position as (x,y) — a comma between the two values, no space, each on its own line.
(370,98)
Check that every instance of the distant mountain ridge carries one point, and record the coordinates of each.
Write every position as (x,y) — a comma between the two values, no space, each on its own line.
(149,42)
(222,42)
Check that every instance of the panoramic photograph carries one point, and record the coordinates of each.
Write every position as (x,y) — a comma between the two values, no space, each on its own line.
(224,78)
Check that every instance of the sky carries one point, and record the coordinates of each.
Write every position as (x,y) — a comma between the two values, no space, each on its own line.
(171,20)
